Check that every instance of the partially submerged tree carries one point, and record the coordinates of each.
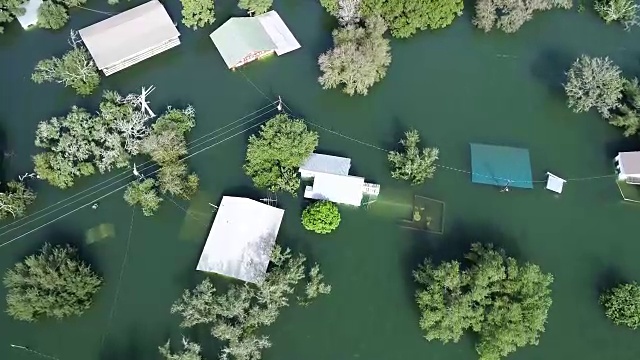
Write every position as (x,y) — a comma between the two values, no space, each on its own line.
(594,82)
(622,11)
(75,69)
(15,199)
(359,58)
(9,10)
(510,15)
(627,115)
(52,15)
(191,351)
(197,13)
(321,217)
(144,194)
(348,12)
(238,315)
(503,302)
(315,286)
(277,151)
(52,283)
(173,179)
(622,304)
(255,7)
(411,164)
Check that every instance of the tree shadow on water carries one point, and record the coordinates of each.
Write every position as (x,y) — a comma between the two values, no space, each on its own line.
(609,277)
(550,67)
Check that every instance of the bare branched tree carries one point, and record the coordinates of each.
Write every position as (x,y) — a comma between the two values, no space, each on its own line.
(348,12)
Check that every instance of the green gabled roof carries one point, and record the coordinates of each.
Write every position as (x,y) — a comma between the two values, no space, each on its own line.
(239,37)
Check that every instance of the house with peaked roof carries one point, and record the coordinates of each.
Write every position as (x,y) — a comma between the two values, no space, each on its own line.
(130,37)
(30,17)
(241,40)
(332,182)
(241,239)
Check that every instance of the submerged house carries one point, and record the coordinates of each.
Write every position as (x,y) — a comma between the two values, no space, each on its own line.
(241,239)
(130,37)
(30,17)
(332,182)
(628,167)
(244,39)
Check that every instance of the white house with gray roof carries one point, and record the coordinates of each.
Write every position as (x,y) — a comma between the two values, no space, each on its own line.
(628,167)
(130,37)
(244,39)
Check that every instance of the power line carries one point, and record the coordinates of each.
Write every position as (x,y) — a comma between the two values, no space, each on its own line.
(122,187)
(127,172)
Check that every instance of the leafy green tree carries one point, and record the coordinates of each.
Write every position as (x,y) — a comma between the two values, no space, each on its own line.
(277,151)
(321,217)
(9,9)
(52,283)
(627,115)
(411,164)
(622,11)
(15,199)
(594,83)
(405,17)
(52,16)
(238,315)
(255,7)
(315,286)
(191,351)
(197,13)
(144,194)
(503,302)
(359,58)
(75,69)
(510,15)
(622,304)
(173,179)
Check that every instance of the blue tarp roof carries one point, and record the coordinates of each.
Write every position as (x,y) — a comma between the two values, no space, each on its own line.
(501,166)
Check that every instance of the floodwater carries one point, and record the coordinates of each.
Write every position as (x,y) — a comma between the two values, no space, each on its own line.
(455,86)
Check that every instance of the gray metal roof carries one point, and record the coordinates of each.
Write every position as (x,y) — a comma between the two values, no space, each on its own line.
(630,162)
(327,164)
(241,239)
(128,34)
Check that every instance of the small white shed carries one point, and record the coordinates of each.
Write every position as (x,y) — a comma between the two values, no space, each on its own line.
(628,167)
(326,164)
(342,189)
(241,239)
(555,183)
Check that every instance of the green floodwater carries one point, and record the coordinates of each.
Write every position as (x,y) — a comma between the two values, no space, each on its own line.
(456,86)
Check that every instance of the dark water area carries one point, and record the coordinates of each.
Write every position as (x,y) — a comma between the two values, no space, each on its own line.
(455,86)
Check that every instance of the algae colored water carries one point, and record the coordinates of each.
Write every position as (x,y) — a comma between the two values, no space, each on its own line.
(456,86)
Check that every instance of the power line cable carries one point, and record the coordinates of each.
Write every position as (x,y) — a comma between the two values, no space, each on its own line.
(127,172)
(123,186)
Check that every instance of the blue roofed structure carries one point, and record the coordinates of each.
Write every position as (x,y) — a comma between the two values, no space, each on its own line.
(501,166)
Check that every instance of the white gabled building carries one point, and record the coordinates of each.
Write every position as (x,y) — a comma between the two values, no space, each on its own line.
(332,182)
(30,17)
(127,38)
(241,239)
(628,167)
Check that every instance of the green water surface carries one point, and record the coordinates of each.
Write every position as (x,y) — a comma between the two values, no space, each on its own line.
(455,86)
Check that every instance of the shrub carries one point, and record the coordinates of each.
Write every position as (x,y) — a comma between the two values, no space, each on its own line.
(322,217)
(622,304)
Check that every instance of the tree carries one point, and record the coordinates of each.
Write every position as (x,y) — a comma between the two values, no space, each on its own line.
(510,15)
(504,302)
(255,7)
(594,82)
(627,115)
(173,179)
(191,351)
(348,12)
(52,283)
(321,217)
(144,194)
(197,13)
(315,287)
(359,58)
(52,16)
(411,164)
(238,315)
(9,9)
(15,199)
(277,151)
(622,304)
(76,69)
(622,11)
